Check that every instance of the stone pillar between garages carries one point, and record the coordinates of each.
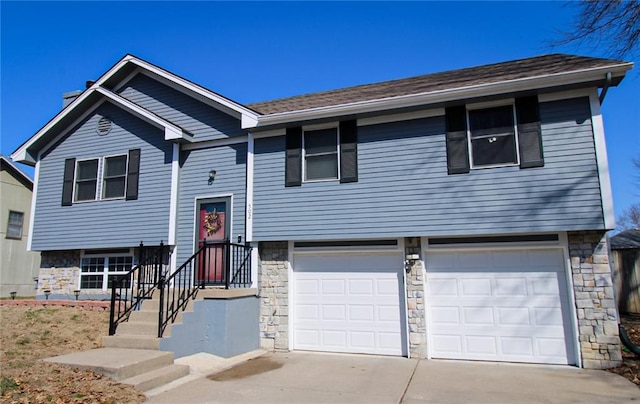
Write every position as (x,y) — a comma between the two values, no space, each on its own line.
(273,283)
(415,300)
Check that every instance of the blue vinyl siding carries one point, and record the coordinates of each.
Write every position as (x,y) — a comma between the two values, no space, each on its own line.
(201,120)
(113,223)
(404,189)
(230,163)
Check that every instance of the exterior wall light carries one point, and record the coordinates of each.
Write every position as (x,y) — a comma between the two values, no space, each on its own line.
(212,176)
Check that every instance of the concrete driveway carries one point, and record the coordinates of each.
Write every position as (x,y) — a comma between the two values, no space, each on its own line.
(299,377)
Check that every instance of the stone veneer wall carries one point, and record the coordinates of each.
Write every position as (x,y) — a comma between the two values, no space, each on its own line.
(59,273)
(415,301)
(595,300)
(273,272)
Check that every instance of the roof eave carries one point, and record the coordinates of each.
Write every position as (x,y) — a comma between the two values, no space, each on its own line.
(448,95)
(17,170)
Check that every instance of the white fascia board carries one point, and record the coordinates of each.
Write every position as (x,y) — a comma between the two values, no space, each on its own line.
(22,155)
(448,95)
(171,131)
(185,84)
(602,161)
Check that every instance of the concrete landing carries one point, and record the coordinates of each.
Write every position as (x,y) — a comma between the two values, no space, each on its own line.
(116,363)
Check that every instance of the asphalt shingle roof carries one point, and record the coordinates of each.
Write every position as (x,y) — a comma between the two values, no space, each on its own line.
(486,74)
(626,239)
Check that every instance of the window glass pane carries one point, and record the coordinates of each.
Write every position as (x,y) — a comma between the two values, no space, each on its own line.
(120,264)
(491,118)
(125,284)
(321,141)
(113,188)
(86,190)
(494,150)
(92,264)
(14,225)
(115,166)
(322,167)
(91,281)
(87,170)
(493,136)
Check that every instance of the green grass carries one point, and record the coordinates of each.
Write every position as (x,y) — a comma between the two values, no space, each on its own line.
(7,384)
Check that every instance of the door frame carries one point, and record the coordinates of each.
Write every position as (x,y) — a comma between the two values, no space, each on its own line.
(197,200)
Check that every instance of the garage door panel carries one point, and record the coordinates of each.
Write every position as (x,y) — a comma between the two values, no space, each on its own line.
(359,306)
(476,287)
(514,316)
(513,306)
(477,315)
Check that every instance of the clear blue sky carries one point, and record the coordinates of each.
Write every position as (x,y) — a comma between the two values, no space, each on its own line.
(257,51)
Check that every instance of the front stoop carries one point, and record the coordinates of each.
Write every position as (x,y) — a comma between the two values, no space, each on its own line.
(142,368)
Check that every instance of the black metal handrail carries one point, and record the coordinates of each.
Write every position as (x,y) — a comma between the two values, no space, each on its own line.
(217,263)
(128,291)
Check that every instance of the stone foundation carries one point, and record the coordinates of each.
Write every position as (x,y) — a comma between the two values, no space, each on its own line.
(273,273)
(594,300)
(415,301)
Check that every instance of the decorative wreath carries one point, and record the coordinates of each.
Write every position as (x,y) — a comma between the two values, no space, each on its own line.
(212,222)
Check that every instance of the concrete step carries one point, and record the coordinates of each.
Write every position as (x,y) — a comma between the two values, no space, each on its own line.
(149,316)
(131,342)
(141,328)
(153,305)
(157,377)
(116,363)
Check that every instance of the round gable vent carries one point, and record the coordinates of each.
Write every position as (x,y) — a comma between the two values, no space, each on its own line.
(104,126)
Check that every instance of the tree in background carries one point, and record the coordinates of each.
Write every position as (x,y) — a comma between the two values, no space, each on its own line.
(611,25)
(630,217)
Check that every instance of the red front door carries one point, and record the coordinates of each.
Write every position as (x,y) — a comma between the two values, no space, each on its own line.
(212,229)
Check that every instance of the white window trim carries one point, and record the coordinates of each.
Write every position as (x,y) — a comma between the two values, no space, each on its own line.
(75,181)
(304,151)
(126,175)
(487,105)
(105,273)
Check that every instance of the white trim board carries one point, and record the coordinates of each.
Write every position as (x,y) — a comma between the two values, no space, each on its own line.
(173,204)
(249,190)
(602,160)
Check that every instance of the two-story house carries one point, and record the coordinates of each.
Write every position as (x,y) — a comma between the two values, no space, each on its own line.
(453,215)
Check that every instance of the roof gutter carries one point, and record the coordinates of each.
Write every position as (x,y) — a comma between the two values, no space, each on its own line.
(605,87)
(441,96)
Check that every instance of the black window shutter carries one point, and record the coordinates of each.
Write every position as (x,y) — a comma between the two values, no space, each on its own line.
(133,174)
(293,158)
(457,146)
(529,132)
(349,151)
(67,183)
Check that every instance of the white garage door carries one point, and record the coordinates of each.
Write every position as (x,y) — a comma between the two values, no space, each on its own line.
(348,303)
(499,306)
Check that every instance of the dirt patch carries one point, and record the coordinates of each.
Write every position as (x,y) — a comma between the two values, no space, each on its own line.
(30,333)
(250,368)
(630,367)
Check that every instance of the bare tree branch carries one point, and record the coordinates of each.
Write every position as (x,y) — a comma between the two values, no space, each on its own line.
(609,25)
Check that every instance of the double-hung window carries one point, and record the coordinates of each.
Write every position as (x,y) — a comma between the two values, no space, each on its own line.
(14,225)
(492,136)
(321,154)
(114,177)
(99,269)
(86,180)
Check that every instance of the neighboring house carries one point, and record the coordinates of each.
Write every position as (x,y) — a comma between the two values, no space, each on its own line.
(18,267)
(455,215)
(625,254)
